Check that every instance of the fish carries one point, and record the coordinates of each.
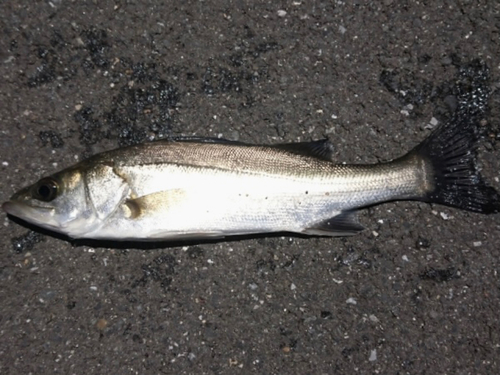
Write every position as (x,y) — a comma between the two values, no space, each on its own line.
(196,188)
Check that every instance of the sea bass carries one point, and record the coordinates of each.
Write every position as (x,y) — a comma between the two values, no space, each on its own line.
(205,188)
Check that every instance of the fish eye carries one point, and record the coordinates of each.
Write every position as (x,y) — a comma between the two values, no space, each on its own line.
(45,190)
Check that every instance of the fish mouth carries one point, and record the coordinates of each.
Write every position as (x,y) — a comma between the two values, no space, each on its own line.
(12,208)
(42,216)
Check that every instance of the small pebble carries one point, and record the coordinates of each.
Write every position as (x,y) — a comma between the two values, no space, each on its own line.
(101,324)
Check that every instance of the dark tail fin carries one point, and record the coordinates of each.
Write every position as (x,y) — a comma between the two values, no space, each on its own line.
(457,182)
(451,150)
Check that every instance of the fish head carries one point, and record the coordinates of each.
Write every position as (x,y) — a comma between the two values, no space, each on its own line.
(73,202)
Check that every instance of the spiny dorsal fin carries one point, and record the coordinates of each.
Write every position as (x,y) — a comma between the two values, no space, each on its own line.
(207,140)
(322,149)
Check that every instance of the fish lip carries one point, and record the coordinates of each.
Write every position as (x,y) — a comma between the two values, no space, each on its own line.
(11,208)
(31,214)
(14,208)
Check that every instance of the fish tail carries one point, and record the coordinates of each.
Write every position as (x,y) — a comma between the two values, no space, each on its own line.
(453,178)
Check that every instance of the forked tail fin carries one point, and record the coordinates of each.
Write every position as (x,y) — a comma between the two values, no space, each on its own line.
(451,151)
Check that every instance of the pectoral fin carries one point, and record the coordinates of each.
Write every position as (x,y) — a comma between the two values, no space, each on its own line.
(344,224)
(152,203)
(152,208)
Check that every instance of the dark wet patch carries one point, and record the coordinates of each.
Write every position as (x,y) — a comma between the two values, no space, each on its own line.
(50,64)
(408,88)
(265,266)
(242,70)
(472,90)
(151,100)
(440,275)
(96,43)
(53,64)
(221,81)
(143,109)
(146,102)
(270,265)
(351,257)
(45,71)
(89,126)
(26,242)
(52,137)
(465,95)
(160,270)
(195,252)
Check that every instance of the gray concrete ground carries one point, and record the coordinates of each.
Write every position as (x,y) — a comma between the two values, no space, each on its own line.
(417,292)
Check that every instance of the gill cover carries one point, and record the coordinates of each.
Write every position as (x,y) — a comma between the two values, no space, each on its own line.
(105,189)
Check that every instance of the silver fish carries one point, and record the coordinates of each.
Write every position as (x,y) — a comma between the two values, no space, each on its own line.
(204,188)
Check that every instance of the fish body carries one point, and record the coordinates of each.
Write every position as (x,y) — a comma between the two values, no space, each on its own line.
(205,188)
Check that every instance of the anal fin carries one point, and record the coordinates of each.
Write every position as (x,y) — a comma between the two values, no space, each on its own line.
(343,224)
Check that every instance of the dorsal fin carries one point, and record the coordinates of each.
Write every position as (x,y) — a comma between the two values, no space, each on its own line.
(207,140)
(322,149)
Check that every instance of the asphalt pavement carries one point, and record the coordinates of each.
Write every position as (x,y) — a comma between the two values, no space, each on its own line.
(417,292)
